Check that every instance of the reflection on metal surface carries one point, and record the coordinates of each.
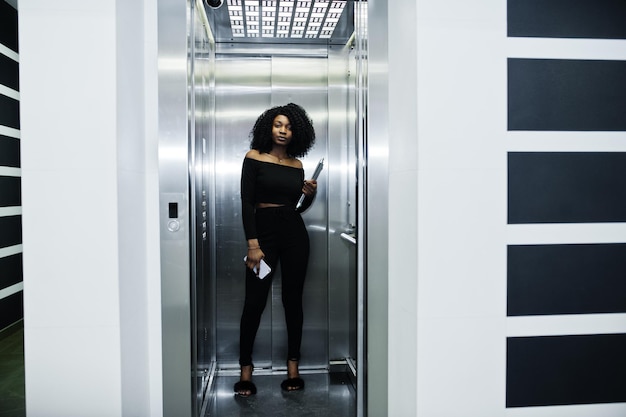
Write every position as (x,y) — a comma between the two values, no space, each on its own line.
(245,86)
(328,395)
(362,82)
(201,75)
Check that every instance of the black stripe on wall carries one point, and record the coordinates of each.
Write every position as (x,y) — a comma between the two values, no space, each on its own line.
(9,112)
(11,267)
(9,73)
(11,309)
(11,270)
(564,370)
(566,279)
(8,26)
(566,187)
(601,19)
(9,152)
(566,95)
(11,227)
(10,191)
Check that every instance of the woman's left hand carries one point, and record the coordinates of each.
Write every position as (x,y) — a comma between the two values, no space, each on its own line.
(309,188)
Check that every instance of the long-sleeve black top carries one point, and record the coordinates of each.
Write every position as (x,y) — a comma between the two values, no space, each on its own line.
(266,182)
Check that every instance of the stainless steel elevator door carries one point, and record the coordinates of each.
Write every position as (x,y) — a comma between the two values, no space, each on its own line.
(245,86)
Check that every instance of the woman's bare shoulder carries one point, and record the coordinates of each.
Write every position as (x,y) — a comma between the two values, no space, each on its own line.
(254,154)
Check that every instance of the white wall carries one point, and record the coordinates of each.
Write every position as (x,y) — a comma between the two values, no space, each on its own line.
(138,242)
(448,184)
(447,196)
(91,271)
(461,303)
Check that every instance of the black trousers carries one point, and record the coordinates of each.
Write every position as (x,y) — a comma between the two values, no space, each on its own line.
(283,238)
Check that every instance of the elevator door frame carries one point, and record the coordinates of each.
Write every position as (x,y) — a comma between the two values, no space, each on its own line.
(174,173)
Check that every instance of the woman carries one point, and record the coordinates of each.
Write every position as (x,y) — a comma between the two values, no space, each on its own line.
(272,181)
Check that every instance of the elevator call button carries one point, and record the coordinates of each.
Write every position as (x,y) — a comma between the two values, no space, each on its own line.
(173,225)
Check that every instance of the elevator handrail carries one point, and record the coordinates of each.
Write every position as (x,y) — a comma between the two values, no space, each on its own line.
(350,237)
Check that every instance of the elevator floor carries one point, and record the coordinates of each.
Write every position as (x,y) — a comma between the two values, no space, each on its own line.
(325,395)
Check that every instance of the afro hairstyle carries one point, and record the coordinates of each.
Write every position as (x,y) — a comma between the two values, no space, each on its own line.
(303,134)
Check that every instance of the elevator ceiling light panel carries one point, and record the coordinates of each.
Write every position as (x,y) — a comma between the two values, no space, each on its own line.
(313,19)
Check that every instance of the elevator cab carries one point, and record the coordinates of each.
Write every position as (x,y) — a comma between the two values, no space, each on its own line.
(221,64)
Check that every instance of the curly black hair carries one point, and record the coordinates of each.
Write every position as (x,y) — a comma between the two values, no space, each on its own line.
(303,134)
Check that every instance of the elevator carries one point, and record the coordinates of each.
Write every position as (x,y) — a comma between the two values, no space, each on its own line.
(212,87)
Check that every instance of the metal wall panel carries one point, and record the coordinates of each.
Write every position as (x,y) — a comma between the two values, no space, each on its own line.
(304,80)
(173,188)
(185,124)
(341,203)
(374,213)
(245,87)
(202,243)
(243,91)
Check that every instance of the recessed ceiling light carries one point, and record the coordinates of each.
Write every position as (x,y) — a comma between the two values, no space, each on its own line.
(310,19)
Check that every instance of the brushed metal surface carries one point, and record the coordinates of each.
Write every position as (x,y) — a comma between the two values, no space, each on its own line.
(341,203)
(202,286)
(173,175)
(185,64)
(203,139)
(304,80)
(373,215)
(243,91)
(245,87)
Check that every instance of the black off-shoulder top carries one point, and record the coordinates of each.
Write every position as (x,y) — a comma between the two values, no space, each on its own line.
(266,182)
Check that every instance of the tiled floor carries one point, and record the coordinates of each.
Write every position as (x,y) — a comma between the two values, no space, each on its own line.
(12,399)
(325,395)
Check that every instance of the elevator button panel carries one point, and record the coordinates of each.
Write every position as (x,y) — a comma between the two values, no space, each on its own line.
(174,216)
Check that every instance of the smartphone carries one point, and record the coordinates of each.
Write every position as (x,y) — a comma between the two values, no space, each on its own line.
(265,268)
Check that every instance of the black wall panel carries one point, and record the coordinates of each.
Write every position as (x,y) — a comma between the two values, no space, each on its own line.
(9,73)
(9,152)
(9,112)
(566,187)
(561,370)
(11,270)
(567,18)
(566,279)
(566,95)
(10,191)
(11,227)
(8,26)
(11,309)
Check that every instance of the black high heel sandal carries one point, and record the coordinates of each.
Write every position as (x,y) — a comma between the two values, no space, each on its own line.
(292,384)
(243,386)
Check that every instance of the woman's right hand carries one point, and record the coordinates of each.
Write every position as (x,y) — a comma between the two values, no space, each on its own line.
(254,259)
